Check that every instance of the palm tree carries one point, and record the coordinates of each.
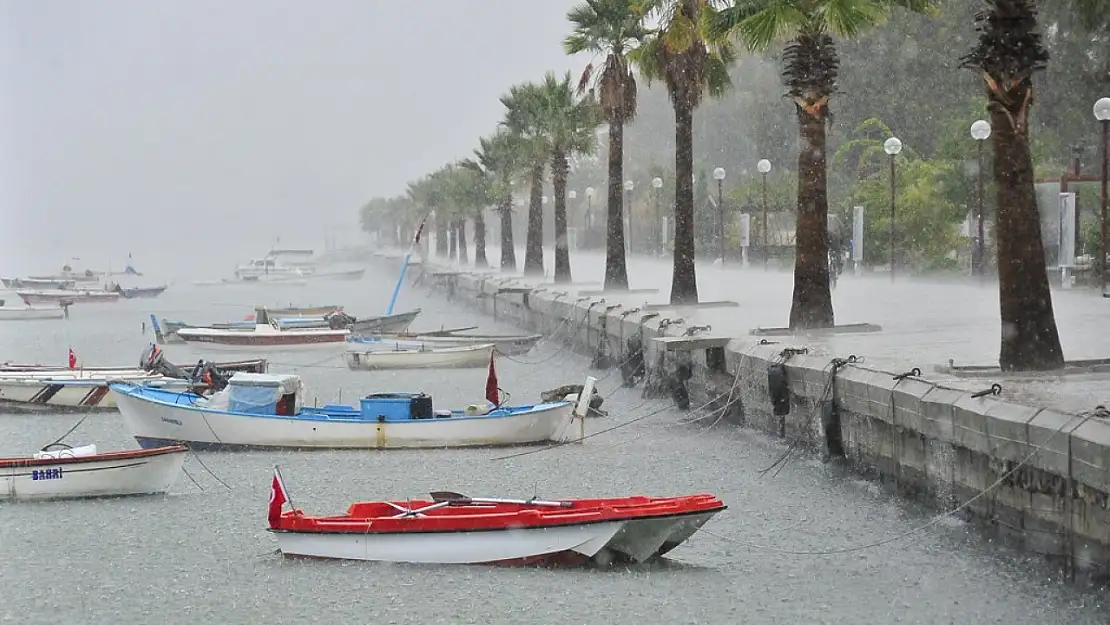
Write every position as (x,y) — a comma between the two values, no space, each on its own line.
(1009,52)
(524,118)
(810,68)
(612,28)
(568,123)
(498,159)
(691,62)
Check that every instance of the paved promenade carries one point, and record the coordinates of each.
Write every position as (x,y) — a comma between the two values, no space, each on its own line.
(924,322)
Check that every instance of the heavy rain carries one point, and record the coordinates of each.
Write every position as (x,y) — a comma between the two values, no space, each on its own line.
(625,311)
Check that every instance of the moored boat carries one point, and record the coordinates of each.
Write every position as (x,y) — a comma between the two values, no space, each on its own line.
(140,292)
(64,296)
(371,326)
(38,283)
(451,528)
(302,311)
(53,389)
(266,333)
(267,411)
(30,313)
(386,354)
(80,472)
(508,344)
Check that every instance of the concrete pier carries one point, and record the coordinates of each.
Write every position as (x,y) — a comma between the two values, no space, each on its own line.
(1038,475)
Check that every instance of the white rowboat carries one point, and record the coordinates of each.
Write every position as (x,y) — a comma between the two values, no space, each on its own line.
(81,472)
(409,356)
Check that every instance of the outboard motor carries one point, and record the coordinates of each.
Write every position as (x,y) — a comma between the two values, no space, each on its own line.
(634,368)
(154,361)
(340,320)
(208,374)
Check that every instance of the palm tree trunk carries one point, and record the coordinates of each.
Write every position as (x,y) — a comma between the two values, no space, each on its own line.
(480,261)
(508,252)
(811,305)
(559,169)
(460,229)
(616,265)
(1030,340)
(533,245)
(684,279)
(442,238)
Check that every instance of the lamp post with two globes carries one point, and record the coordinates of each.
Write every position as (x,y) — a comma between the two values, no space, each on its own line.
(719,176)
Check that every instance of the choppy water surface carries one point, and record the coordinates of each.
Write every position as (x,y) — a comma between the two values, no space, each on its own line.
(203,552)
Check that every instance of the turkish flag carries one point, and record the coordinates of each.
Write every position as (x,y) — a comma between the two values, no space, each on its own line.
(491,384)
(277,499)
(72,359)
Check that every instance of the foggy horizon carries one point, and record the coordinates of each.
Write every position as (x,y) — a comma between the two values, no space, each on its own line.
(202,132)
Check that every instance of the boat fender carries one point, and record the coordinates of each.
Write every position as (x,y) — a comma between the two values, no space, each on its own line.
(830,423)
(676,384)
(778,388)
(633,369)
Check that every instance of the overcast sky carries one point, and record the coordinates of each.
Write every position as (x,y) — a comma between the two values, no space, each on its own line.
(176,127)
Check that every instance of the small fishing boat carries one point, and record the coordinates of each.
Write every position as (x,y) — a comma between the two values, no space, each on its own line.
(304,311)
(371,326)
(267,411)
(54,389)
(140,292)
(80,472)
(59,296)
(38,283)
(253,365)
(385,354)
(508,344)
(29,313)
(343,274)
(266,333)
(451,528)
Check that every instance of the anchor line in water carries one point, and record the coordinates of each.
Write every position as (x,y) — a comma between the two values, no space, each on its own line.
(205,467)
(191,478)
(920,528)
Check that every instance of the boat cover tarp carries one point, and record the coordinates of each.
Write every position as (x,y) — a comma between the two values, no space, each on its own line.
(258,393)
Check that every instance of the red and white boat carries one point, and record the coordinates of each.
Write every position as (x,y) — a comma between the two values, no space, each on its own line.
(455,529)
(67,297)
(266,333)
(78,472)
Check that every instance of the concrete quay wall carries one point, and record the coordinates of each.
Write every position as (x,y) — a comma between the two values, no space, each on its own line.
(1046,473)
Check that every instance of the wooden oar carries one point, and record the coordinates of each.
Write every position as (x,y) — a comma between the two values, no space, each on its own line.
(458,499)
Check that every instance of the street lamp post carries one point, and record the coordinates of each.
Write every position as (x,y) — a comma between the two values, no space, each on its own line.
(892,146)
(573,195)
(719,176)
(980,131)
(764,167)
(657,183)
(1102,114)
(589,209)
(628,214)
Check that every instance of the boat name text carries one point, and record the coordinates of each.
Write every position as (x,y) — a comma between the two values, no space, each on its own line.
(46,474)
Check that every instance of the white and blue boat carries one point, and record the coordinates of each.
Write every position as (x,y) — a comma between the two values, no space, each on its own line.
(266,411)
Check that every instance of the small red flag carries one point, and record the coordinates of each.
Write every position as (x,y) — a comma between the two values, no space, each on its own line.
(277,499)
(492,395)
(72,359)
